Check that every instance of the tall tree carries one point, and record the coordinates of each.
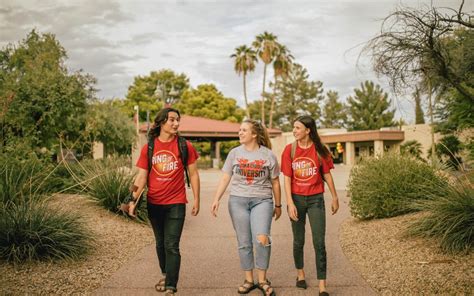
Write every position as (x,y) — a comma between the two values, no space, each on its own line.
(419,115)
(412,48)
(334,112)
(154,91)
(296,95)
(244,61)
(43,101)
(265,44)
(281,67)
(207,101)
(369,108)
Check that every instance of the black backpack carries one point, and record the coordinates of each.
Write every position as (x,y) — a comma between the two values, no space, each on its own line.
(183,154)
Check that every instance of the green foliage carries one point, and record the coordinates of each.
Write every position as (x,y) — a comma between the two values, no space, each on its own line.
(145,92)
(412,148)
(384,186)
(296,95)
(33,231)
(108,181)
(206,101)
(369,108)
(43,102)
(449,148)
(245,59)
(449,216)
(334,112)
(107,124)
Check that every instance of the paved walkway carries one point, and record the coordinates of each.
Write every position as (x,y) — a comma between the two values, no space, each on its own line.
(210,263)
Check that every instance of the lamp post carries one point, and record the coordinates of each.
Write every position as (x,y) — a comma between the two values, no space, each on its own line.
(164,95)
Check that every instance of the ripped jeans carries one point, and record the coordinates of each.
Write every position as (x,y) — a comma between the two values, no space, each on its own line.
(252,218)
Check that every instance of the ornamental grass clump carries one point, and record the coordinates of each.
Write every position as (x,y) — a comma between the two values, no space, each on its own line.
(385,186)
(108,182)
(29,228)
(448,216)
(34,231)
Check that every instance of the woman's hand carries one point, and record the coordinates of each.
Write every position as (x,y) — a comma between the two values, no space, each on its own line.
(334,205)
(292,212)
(215,208)
(277,213)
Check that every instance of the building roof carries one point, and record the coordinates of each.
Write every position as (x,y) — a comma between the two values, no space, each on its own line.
(199,127)
(363,136)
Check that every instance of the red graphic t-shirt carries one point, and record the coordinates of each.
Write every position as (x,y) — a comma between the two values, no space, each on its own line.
(166,179)
(304,170)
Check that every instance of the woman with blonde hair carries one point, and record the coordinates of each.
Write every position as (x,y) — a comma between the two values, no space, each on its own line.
(253,171)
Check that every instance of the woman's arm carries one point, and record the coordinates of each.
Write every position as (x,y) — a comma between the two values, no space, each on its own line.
(277,196)
(335,201)
(195,186)
(292,212)
(224,182)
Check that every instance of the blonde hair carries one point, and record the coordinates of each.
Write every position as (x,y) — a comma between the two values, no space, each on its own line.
(262,134)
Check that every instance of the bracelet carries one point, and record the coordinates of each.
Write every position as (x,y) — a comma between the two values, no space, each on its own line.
(277,206)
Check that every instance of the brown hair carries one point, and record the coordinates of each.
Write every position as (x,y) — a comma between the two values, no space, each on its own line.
(161,118)
(262,134)
(309,122)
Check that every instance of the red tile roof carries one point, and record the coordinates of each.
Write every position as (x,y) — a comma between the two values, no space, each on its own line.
(203,127)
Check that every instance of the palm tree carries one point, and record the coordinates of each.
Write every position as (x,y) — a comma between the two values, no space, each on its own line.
(281,68)
(245,59)
(265,44)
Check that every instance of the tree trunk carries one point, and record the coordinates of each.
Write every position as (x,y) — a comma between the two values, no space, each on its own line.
(433,146)
(245,97)
(263,94)
(272,106)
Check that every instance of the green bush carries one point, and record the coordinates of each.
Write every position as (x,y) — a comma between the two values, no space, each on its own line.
(22,180)
(108,181)
(32,231)
(449,217)
(384,186)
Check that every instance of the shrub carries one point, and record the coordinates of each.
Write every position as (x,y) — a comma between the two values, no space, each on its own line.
(384,186)
(449,216)
(32,231)
(108,181)
(22,179)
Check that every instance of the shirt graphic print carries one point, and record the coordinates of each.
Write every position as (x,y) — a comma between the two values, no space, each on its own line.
(250,169)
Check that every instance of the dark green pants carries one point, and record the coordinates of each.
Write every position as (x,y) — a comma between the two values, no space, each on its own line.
(167,222)
(313,206)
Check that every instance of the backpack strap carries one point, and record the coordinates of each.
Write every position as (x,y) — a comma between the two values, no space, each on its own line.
(184,154)
(151,147)
(293,150)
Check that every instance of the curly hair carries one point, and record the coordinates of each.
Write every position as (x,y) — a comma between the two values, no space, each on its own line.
(262,134)
(160,118)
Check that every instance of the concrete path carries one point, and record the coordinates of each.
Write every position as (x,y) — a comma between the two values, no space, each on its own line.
(210,263)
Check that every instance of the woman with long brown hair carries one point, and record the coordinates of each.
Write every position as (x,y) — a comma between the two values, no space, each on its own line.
(306,164)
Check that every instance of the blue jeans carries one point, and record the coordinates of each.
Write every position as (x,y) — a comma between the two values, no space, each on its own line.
(252,216)
(167,222)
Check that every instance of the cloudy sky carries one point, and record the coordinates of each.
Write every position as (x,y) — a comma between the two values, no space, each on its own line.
(116,40)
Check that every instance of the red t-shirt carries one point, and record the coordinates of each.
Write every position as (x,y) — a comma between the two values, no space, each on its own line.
(304,170)
(166,179)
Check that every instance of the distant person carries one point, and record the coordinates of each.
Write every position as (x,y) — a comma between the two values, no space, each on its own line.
(306,164)
(166,197)
(253,169)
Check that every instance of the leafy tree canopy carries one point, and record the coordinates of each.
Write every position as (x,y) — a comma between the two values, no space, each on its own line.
(334,112)
(154,91)
(206,101)
(369,108)
(41,101)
